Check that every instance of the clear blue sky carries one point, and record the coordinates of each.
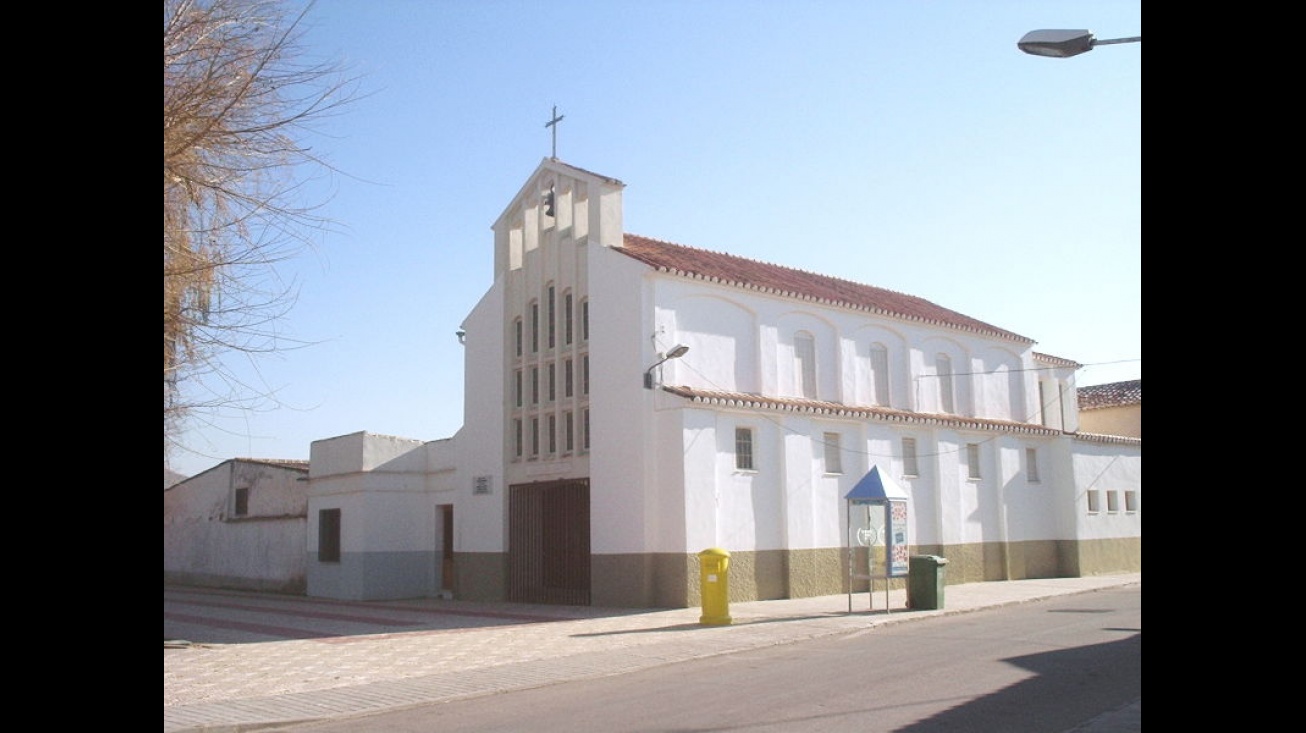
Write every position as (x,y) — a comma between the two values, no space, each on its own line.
(905,144)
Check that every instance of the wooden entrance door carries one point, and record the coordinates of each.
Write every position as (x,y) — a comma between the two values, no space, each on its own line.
(549,543)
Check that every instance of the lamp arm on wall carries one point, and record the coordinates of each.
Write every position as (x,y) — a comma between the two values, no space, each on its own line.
(675,353)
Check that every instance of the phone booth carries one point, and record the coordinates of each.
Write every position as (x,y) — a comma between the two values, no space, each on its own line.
(877,529)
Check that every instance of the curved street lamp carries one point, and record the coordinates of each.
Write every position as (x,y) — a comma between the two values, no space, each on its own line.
(675,353)
(1065,43)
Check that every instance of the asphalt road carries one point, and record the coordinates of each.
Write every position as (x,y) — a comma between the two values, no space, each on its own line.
(1042,667)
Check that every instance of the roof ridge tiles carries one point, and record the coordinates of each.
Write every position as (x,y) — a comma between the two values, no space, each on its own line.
(753,274)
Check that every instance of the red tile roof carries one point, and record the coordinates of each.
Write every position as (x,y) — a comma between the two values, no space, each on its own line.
(822,407)
(787,282)
(1056,360)
(1115,394)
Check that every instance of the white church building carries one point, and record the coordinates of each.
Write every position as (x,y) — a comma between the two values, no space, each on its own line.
(631,402)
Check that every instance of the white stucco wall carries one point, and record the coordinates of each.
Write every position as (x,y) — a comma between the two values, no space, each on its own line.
(206,543)
(1106,467)
(783,503)
(742,341)
(1028,507)
(388,490)
(481,445)
(622,423)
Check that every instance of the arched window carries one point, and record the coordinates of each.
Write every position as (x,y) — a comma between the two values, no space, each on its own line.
(566,318)
(552,317)
(535,326)
(880,375)
(805,363)
(943,367)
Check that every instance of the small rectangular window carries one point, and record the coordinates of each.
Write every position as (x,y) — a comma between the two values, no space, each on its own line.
(585,374)
(972,460)
(568,429)
(1094,501)
(1131,501)
(585,320)
(517,437)
(553,434)
(328,535)
(552,387)
(535,385)
(1113,501)
(517,328)
(535,436)
(833,453)
(744,449)
(909,466)
(242,503)
(567,378)
(1031,465)
(517,390)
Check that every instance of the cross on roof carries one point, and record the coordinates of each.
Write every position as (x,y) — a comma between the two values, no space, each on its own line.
(553,123)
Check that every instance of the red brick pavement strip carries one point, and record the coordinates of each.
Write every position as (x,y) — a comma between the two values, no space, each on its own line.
(360,618)
(300,606)
(250,686)
(203,615)
(284,632)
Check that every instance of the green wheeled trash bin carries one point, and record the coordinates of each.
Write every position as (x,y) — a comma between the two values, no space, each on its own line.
(925,580)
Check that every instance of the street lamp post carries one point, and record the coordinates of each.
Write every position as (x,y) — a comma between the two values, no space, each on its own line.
(1065,43)
(675,353)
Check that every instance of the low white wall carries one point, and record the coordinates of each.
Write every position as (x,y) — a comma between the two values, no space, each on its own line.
(206,543)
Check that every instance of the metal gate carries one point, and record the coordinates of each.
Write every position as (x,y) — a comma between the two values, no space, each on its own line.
(549,543)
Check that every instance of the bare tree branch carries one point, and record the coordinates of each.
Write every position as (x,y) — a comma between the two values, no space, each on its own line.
(238,105)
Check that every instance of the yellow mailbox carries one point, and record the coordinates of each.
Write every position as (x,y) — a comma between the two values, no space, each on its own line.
(714,566)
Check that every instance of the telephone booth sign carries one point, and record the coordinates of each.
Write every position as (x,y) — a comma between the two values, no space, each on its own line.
(877,528)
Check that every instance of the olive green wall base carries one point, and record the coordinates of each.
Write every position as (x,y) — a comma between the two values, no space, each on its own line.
(666,580)
(979,562)
(292,586)
(480,576)
(1102,557)
(656,580)
(674,581)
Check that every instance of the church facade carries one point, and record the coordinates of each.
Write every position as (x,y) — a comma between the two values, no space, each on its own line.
(630,402)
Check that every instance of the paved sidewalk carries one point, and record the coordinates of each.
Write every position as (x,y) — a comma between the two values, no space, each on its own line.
(238,661)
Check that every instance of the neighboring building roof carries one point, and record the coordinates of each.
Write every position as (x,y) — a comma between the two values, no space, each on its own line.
(1099,438)
(1115,394)
(171,477)
(278,462)
(787,282)
(294,465)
